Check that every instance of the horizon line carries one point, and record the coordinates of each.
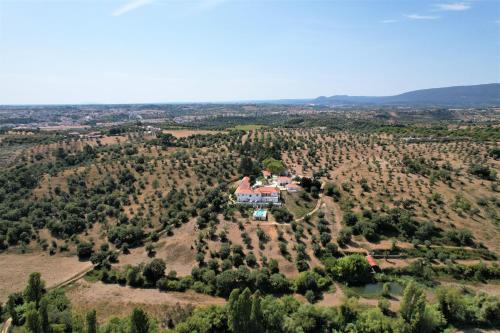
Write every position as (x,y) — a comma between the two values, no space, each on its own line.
(235,101)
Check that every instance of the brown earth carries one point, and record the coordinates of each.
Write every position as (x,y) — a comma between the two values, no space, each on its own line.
(15,269)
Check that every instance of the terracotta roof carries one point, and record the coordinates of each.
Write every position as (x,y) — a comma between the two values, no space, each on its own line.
(371,261)
(244,187)
(266,173)
(284,178)
(244,191)
(266,190)
(292,185)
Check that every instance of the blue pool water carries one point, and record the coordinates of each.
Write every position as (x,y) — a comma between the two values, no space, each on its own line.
(260,213)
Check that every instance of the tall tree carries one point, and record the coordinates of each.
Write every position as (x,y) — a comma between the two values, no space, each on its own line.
(256,317)
(35,288)
(32,318)
(246,166)
(245,308)
(43,311)
(240,308)
(233,309)
(413,307)
(91,322)
(139,321)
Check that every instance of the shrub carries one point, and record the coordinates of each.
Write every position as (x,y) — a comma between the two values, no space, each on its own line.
(84,250)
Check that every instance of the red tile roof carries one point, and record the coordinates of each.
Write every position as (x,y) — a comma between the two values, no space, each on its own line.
(266,190)
(371,261)
(244,187)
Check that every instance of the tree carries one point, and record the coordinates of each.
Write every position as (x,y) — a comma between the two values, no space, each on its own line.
(306,281)
(32,318)
(256,318)
(13,302)
(239,311)
(44,315)
(91,322)
(274,166)
(433,319)
(353,269)
(150,249)
(154,270)
(166,139)
(413,307)
(483,172)
(233,322)
(84,250)
(35,288)
(139,321)
(344,236)
(273,266)
(134,277)
(246,166)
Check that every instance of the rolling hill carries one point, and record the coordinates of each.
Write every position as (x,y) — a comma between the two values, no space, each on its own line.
(483,94)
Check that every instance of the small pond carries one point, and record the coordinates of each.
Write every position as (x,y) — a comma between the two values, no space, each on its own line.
(375,289)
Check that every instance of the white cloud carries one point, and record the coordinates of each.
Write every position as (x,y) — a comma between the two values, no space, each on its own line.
(389,21)
(130,6)
(453,6)
(421,17)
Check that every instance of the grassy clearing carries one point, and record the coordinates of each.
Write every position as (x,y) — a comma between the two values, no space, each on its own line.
(248,127)
(298,206)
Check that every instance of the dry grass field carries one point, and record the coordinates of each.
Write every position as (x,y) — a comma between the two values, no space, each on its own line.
(15,269)
(115,300)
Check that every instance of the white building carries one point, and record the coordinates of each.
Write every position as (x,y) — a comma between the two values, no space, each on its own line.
(260,195)
(283,181)
(292,188)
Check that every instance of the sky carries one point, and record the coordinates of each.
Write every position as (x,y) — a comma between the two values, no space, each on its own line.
(160,51)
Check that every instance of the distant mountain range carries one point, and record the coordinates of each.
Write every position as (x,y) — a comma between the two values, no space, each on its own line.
(482,94)
(460,96)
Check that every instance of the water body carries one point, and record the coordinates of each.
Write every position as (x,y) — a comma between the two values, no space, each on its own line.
(375,289)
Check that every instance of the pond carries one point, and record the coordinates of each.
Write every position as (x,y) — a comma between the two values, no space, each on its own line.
(371,290)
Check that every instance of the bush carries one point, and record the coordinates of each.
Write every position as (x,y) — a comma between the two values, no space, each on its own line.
(344,236)
(153,271)
(483,172)
(84,250)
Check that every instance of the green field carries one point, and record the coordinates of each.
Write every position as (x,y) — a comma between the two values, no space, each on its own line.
(248,127)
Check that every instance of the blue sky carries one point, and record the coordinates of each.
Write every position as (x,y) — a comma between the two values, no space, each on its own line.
(133,51)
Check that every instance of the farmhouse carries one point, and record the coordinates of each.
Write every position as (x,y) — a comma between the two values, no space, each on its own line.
(292,188)
(260,195)
(283,181)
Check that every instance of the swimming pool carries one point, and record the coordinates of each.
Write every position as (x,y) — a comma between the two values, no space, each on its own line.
(260,214)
